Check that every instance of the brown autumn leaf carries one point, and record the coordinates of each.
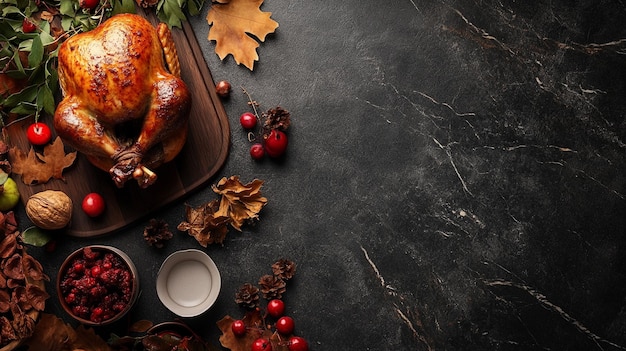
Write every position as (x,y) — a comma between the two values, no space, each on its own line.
(235,25)
(204,224)
(256,329)
(36,168)
(53,334)
(240,202)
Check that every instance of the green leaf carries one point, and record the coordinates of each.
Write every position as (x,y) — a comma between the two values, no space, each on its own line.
(36,52)
(66,7)
(24,109)
(193,7)
(44,35)
(36,236)
(27,94)
(10,10)
(3,177)
(45,99)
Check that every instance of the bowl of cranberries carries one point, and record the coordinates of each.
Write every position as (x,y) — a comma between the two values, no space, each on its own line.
(97,285)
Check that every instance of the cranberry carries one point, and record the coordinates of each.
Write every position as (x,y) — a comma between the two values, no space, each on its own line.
(261,344)
(285,325)
(28,26)
(93,204)
(256,151)
(88,4)
(38,133)
(297,343)
(276,143)
(238,327)
(247,120)
(276,308)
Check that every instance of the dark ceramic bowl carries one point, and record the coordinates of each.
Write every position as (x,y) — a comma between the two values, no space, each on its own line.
(97,285)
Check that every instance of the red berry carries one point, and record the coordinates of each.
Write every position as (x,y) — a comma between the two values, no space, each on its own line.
(261,344)
(297,343)
(256,151)
(276,308)
(247,120)
(222,88)
(28,26)
(276,143)
(95,271)
(38,133)
(93,204)
(238,327)
(88,4)
(285,325)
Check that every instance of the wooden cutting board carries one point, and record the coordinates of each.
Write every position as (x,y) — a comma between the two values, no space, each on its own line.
(203,155)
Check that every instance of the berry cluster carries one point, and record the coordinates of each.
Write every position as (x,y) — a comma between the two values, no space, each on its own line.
(272,330)
(96,286)
(284,326)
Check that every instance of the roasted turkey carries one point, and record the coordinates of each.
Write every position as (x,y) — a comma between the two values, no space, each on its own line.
(124,104)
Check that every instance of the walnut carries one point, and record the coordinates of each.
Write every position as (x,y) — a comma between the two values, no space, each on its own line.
(49,209)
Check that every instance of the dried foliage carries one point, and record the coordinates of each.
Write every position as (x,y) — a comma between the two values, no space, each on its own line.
(239,204)
(52,334)
(256,326)
(203,224)
(37,168)
(22,291)
(235,25)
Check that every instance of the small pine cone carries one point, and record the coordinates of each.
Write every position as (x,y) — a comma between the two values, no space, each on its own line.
(277,118)
(247,296)
(272,286)
(284,269)
(157,233)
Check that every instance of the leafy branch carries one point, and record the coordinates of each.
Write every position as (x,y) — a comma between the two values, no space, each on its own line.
(28,55)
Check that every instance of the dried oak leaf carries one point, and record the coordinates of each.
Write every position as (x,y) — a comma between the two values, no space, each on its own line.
(5,300)
(53,334)
(36,168)
(240,202)
(13,268)
(234,25)
(33,268)
(204,224)
(23,324)
(255,329)
(8,245)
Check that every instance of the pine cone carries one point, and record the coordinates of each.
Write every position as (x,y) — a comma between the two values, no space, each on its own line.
(272,286)
(276,118)
(157,233)
(247,296)
(284,269)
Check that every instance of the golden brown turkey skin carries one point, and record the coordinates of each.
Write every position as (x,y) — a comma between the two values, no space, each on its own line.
(122,108)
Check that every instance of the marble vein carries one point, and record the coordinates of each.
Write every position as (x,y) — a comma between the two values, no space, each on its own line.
(543,300)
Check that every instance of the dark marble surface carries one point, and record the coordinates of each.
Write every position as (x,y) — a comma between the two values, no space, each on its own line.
(454,179)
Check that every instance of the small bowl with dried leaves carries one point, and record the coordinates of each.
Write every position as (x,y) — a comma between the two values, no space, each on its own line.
(97,285)
(24,296)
